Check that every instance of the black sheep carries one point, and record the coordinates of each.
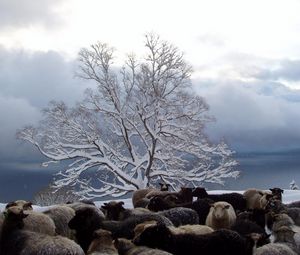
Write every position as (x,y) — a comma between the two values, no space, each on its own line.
(86,221)
(294,204)
(277,193)
(15,240)
(201,206)
(225,242)
(181,216)
(255,215)
(246,227)
(237,200)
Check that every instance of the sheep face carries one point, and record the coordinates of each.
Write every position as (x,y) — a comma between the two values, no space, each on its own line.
(25,205)
(284,234)
(164,186)
(185,195)
(15,215)
(113,209)
(200,192)
(220,210)
(277,193)
(84,219)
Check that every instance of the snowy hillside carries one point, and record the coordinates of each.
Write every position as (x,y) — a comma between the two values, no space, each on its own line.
(288,197)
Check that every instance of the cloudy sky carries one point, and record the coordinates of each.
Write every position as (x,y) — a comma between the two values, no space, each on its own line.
(245,55)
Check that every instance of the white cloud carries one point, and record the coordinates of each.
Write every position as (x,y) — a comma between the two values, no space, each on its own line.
(16,14)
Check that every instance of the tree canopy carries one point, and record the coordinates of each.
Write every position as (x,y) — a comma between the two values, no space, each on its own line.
(143,123)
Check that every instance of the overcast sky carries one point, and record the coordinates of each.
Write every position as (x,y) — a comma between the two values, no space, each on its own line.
(245,55)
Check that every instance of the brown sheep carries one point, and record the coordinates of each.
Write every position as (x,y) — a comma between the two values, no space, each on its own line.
(221,215)
(257,199)
(102,244)
(140,194)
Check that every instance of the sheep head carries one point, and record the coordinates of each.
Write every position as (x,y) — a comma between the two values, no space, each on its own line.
(219,209)
(113,209)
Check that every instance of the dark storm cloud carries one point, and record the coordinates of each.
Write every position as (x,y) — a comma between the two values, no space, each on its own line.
(38,77)
(23,13)
(253,115)
(28,81)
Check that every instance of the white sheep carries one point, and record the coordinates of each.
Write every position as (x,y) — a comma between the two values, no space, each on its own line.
(221,215)
(35,221)
(286,235)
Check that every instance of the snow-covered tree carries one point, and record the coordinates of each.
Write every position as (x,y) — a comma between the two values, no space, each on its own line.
(293,185)
(50,196)
(142,124)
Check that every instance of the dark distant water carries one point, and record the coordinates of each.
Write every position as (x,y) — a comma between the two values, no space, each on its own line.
(265,170)
(260,170)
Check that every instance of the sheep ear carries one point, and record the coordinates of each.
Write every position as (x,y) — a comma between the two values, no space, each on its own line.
(27,205)
(10,204)
(272,190)
(267,235)
(121,203)
(5,214)
(104,207)
(116,242)
(260,193)
(227,206)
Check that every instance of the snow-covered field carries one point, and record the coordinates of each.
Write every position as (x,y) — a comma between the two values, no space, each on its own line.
(288,197)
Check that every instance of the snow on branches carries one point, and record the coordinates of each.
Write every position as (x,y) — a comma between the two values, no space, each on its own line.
(144,122)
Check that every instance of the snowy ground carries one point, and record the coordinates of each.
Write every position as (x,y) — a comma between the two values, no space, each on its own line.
(288,197)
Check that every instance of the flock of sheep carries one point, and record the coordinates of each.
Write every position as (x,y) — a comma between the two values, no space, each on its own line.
(162,222)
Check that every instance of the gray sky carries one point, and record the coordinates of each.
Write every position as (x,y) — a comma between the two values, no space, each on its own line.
(245,56)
